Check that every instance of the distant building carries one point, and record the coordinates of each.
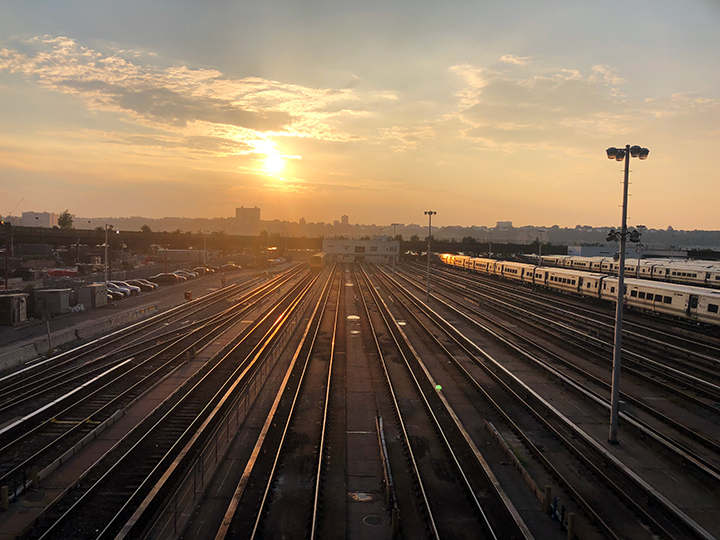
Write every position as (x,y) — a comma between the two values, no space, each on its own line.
(247,220)
(378,250)
(345,220)
(504,225)
(39,219)
(607,250)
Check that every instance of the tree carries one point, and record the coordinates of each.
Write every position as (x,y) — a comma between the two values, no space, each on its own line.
(146,229)
(65,220)
(414,238)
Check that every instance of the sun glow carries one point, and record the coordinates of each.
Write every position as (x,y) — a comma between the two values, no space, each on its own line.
(274,163)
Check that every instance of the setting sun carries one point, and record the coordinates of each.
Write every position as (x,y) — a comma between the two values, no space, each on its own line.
(274,163)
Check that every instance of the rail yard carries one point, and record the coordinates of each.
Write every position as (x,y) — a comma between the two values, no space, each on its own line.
(346,400)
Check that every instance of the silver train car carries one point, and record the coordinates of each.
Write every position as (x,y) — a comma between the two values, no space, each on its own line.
(688,302)
(700,273)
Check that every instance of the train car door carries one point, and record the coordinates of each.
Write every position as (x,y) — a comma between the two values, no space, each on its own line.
(692,303)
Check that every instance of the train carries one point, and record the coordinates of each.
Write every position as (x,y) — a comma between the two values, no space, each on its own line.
(687,302)
(688,272)
(317,261)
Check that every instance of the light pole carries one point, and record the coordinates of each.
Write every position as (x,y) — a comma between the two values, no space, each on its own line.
(107,246)
(107,228)
(429,214)
(620,154)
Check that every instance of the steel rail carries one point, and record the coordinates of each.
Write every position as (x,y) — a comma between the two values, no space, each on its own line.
(188,409)
(99,412)
(708,388)
(291,411)
(142,518)
(52,371)
(527,441)
(56,380)
(487,283)
(398,414)
(314,320)
(323,429)
(518,526)
(678,426)
(661,500)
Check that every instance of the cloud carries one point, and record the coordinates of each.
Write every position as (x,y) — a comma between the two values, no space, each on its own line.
(512,59)
(189,101)
(497,108)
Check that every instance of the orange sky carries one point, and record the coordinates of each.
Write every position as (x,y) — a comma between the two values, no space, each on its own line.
(510,126)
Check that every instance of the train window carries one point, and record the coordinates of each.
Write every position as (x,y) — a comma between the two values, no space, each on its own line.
(633,293)
(667,299)
(641,295)
(588,285)
(612,289)
(650,296)
(712,308)
(693,301)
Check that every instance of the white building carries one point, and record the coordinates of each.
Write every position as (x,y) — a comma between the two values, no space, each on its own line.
(39,219)
(377,250)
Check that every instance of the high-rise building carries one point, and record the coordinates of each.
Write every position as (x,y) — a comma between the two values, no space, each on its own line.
(345,220)
(247,220)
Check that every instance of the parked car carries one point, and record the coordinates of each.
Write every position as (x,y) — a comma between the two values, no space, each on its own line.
(166,279)
(185,274)
(115,294)
(118,288)
(118,292)
(202,270)
(229,266)
(143,286)
(149,283)
(134,289)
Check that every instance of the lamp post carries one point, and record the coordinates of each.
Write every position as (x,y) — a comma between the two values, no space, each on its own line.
(107,228)
(429,214)
(107,247)
(621,154)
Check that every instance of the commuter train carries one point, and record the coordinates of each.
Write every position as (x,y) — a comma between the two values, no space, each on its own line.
(702,273)
(683,301)
(317,261)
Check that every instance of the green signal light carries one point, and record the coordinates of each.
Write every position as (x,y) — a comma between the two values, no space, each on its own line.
(438,387)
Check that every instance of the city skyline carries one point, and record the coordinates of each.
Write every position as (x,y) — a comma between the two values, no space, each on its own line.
(482,112)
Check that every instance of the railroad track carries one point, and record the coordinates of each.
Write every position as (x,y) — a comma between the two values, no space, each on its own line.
(654,510)
(469,501)
(687,378)
(122,491)
(687,341)
(31,447)
(37,387)
(691,445)
(292,509)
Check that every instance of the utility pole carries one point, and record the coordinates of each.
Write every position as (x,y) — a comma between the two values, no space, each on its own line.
(8,242)
(106,252)
(429,214)
(620,154)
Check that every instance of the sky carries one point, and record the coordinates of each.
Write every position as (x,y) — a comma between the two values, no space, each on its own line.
(481,111)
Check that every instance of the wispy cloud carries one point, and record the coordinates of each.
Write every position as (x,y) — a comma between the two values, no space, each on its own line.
(192,102)
(512,59)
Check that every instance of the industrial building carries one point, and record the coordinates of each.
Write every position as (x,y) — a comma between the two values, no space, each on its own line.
(376,250)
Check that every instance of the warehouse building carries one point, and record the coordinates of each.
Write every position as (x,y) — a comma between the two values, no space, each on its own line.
(376,250)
